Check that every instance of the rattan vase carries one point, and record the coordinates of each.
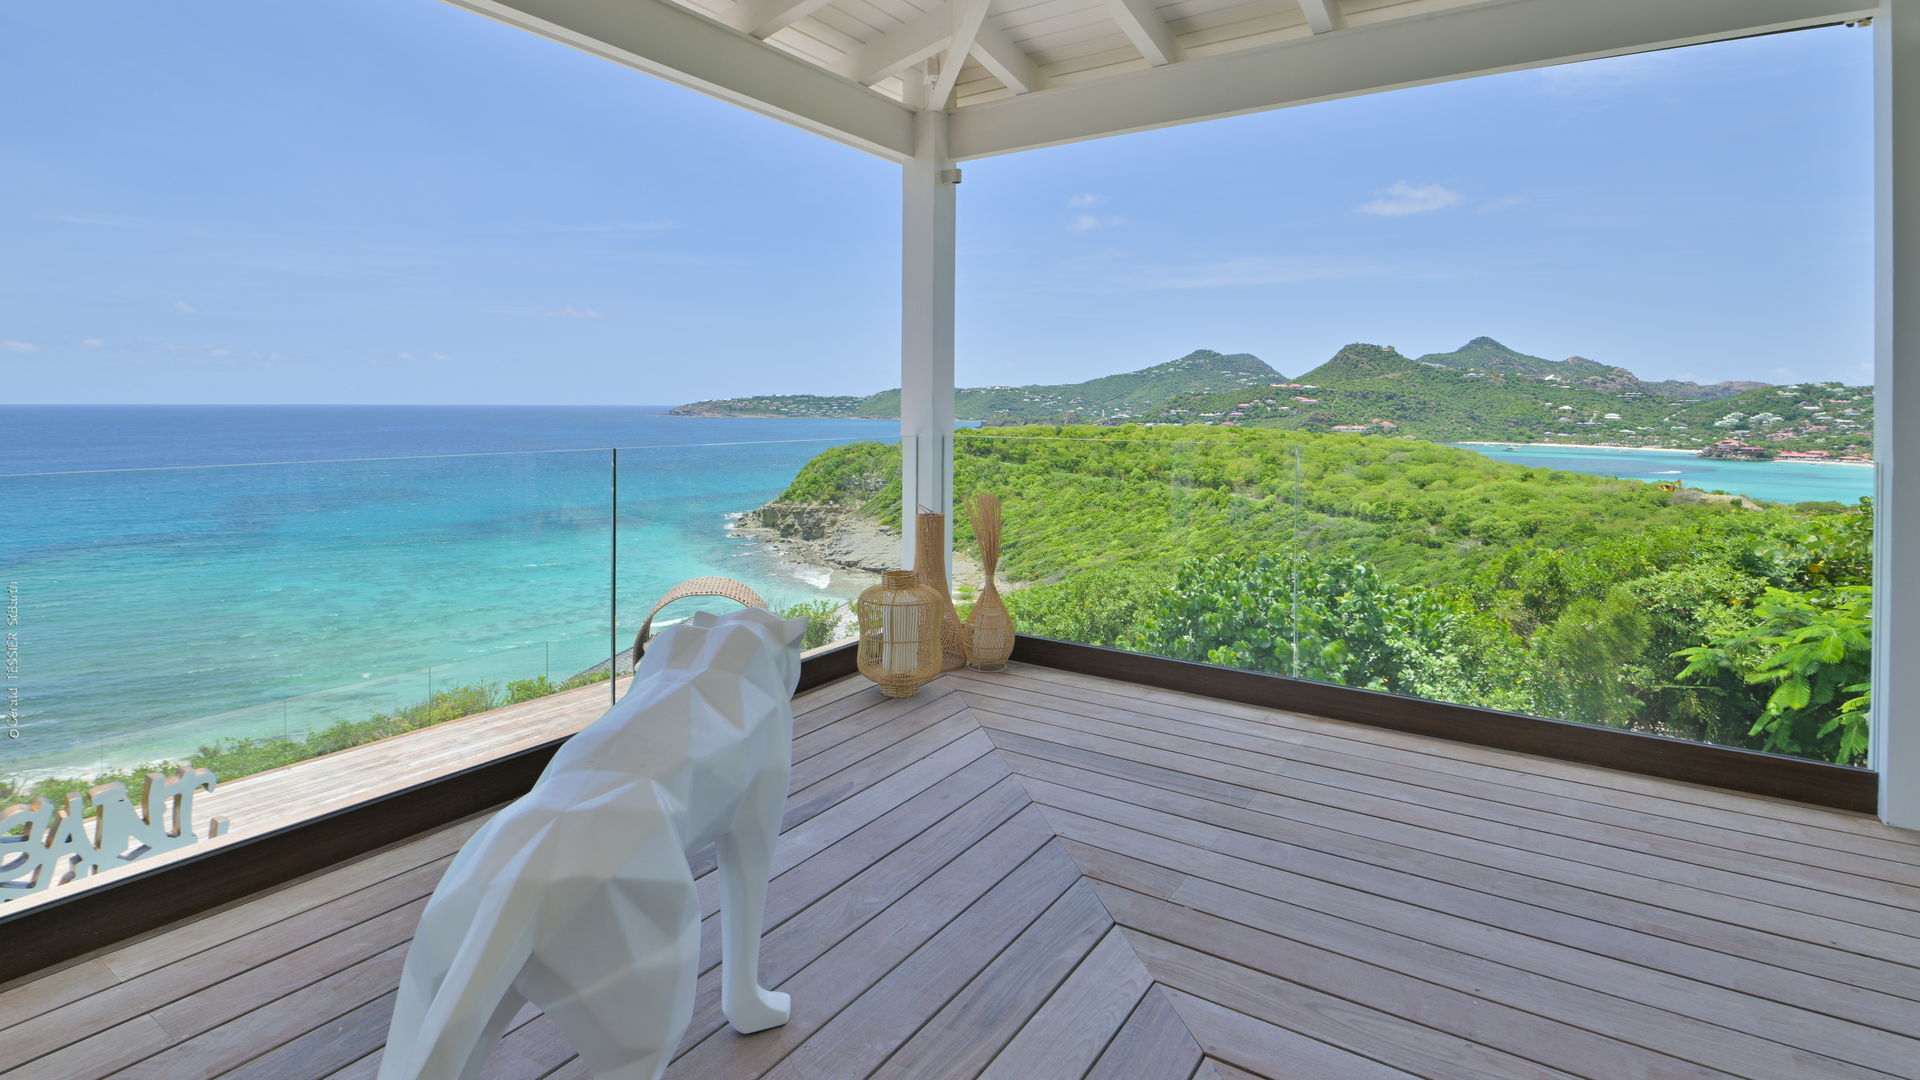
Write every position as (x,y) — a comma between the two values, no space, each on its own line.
(899,634)
(930,562)
(988,634)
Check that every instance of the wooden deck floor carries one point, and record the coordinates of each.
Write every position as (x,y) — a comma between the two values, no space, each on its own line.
(1038,875)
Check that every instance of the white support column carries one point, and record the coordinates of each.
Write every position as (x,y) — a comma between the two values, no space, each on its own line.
(1896,582)
(926,324)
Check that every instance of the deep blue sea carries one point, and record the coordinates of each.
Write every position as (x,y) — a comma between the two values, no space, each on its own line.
(354,560)
(1768,481)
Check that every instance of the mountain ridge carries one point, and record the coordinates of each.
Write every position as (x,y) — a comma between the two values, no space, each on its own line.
(1106,397)
(1487,355)
(1482,391)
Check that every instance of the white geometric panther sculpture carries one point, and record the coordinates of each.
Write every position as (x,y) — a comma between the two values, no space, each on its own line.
(577,896)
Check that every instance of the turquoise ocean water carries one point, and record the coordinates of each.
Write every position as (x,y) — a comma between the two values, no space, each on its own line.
(357,559)
(1768,481)
(160,607)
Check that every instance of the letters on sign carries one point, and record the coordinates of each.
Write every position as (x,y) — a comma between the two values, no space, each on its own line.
(43,845)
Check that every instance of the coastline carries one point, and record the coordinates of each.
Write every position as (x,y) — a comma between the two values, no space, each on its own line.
(1654,450)
(853,550)
(762,416)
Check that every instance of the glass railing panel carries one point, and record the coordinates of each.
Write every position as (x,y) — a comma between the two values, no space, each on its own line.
(807,524)
(244,618)
(1642,604)
(1431,571)
(1096,523)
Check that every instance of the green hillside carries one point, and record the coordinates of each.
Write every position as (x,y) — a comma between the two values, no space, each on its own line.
(814,405)
(1374,390)
(1111,397)
(1483,391)
(1374,387)
(1417,569)
(1826,416)
(1484,354)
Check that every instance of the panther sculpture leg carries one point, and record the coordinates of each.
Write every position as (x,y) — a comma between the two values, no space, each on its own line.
(620,983)
(746,859)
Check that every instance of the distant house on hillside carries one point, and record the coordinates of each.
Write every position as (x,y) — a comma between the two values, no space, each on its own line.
(1735,450)
(1350,428)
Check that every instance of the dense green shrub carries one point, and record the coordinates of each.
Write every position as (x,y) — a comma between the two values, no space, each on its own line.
(823,621)
(1423,569)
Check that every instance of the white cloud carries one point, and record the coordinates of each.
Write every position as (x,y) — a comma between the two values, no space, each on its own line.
(97,219)
(185,308)
(10,345)
(567,311)
(1600,78)
(1402,197)
(1259,270)
(1088,199)
(656,225)
(92,343)
(1089,222)
(405,355)
(439,356)
(174,352)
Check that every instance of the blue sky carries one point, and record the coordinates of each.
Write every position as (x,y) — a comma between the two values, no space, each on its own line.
(380,201)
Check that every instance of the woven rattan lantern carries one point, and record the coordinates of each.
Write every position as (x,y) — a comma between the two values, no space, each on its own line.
(899,633)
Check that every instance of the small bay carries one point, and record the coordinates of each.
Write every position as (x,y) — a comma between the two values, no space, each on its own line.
(1767,481)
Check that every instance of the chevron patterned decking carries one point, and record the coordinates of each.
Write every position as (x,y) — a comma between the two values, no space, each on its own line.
(1040,874)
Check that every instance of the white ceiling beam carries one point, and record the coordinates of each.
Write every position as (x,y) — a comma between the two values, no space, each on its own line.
(967,16)
(898,49)
(1322,15)
(761,18)
(1146,29)
(664,39)
(1009,62)
(1411,51)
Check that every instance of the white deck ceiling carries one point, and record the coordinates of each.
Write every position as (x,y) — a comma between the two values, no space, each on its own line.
(1018,74)
(1026,45)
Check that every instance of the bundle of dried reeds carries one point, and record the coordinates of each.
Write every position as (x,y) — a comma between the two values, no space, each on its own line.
(988,633)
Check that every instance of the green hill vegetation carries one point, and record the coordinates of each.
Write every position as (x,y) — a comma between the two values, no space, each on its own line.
(1376,390)
(1484,354)
(1110,397)
(1482,391)
(1421,569)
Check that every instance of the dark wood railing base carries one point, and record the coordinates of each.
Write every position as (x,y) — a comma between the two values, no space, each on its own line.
(105,915)
(1840,787)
